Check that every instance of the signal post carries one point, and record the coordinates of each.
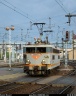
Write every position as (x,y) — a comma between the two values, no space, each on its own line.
(66,42)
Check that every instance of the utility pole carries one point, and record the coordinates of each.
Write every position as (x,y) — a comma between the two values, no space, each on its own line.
(63,43)
(63,47)
(3,49)
(5,59)
(16,51)
(69,17)
(12,52)
(1,52)
(49,22)
(57,36)
(73,44)
(66,43)
(21,57)
(69,20)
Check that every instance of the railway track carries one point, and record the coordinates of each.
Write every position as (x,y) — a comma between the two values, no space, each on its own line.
(64,77)
(34,88)
(35,79)
(4,88)
(21,89)
(68,88)
(29,79)
(53,85)
(10,87)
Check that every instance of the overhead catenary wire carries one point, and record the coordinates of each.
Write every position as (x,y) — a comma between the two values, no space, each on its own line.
(74,11)
(61,6)
(16,10)
(64,8)
(69,12)
(15,7)
(20,9)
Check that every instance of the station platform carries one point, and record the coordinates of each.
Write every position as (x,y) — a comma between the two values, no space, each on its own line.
(6,64)
(7,75)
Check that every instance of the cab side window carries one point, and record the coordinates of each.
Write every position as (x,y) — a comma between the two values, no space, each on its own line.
(53,57)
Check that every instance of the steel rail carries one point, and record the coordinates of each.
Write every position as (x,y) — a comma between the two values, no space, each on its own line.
(41,89)
(50,84)
(5,91)
(45,86)
(70,85)
(15,82)
(63,77)
(6,84)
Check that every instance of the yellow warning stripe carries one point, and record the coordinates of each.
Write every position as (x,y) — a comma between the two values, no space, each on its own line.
(31,65)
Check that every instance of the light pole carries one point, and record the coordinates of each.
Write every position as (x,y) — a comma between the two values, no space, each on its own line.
(9,29)
(73,44)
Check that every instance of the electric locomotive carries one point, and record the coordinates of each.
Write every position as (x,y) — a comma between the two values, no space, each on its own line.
(40,58)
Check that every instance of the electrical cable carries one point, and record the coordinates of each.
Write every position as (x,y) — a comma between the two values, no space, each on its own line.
(74,11)
(15,10)
(15,7)
(61,6)
(64,9)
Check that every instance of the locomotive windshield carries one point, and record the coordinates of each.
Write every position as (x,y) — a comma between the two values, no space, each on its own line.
(40,50)
(35,49)
(30,50)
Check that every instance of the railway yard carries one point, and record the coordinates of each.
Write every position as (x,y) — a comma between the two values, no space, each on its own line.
(37,50)
(17,82)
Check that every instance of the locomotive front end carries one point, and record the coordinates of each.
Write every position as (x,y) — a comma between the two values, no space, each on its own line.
(40,59)
(35,64)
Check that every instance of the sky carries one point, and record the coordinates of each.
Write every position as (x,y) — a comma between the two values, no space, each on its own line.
(20,13)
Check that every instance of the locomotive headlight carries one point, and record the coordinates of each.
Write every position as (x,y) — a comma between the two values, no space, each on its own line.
(43,61)
(28,61)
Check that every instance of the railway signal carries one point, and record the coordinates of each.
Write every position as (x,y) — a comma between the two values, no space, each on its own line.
(66,45)
(67,35)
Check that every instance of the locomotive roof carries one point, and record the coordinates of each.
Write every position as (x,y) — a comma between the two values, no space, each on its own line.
(40,45)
